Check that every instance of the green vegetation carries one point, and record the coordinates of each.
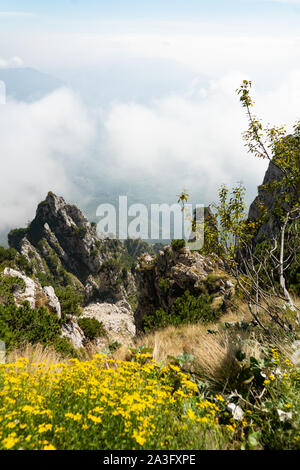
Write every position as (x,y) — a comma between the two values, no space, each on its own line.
(24,324)
(177,244)
(186,309)
(8,286)
(92,328)
(70,300)
(133,301)
(65,348)
(164,284)
(7,254)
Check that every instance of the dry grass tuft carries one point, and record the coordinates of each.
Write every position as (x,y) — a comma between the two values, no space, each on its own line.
(36,354)
(214,354)
(41,299)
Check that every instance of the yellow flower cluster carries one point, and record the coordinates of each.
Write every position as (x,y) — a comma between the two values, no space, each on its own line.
(97,404)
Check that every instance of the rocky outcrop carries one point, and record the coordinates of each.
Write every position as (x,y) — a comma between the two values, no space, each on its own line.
(117,319)
(62,245)
(53,302)
(34,293)
(30,288)
(72,331)
(164,278)
(267,198)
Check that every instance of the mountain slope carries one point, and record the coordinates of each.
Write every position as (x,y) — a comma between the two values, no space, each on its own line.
(28,84)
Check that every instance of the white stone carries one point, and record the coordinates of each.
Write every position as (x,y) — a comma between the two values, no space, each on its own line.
(117,319)
(29,294)
(53,301)
(237,412)
(72,331)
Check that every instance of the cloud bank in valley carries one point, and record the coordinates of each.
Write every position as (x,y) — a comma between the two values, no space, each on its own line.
(39,141)
(192,140)
(11,62)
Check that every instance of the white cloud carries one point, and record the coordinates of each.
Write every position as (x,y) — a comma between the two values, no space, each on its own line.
(13,62)
(38,142)
(211,53)
(190,140)
(193,141)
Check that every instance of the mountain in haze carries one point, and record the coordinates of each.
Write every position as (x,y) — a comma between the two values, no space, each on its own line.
(28,84)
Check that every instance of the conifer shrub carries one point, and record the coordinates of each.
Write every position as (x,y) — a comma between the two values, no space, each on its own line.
(70,300)
(186,309)
(178,244)
(24,324)
(65,348)
(91,328)
(8,285)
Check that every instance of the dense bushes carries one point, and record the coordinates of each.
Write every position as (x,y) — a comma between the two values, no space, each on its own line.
(7,254)
(65,347)
(20,324)
(70,300)
(91,328)
(8,285)
(177,244)
(11,258)
(186,309)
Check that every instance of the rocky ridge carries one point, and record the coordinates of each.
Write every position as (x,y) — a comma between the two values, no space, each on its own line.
(164,278)
(34,293)
(60,243)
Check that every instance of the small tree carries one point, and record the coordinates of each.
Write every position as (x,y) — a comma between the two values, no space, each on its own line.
(262,269)
(283,151)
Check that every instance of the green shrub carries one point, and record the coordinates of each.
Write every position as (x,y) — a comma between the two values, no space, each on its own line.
(70,300)
(186,309)
(91,328)
(178,244)
(23,265)
(53,262)
(111,264)
(133,301)
(8,285)
(82,231)
(65,348)
(164,284)
(114,346)
(20,324)
(7,254)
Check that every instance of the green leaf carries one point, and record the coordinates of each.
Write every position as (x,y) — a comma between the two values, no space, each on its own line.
(253,439)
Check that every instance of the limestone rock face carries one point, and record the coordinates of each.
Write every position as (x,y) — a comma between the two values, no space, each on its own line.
(72,331)
(33,292)
(20,295)
(162,279)
(61,243)
(53,301)
(270,228)
(117,319)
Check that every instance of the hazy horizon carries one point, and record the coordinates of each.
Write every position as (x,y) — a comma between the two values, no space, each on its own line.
(138,98)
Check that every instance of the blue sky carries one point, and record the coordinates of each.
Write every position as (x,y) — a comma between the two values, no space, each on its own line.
(58,14)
